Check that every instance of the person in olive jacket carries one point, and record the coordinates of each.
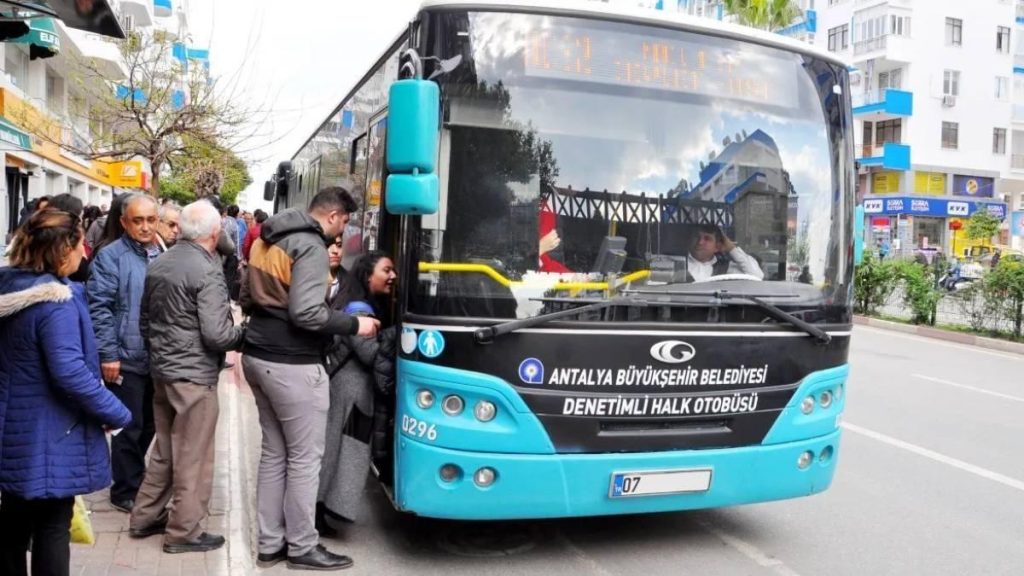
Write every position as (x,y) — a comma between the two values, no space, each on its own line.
(53,405)
(186,322)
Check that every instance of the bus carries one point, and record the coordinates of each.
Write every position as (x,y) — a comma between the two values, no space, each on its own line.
(625,257)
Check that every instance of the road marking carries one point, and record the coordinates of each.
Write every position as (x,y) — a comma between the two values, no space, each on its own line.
(971,388)
(933,455)
(749,550)
(930,341)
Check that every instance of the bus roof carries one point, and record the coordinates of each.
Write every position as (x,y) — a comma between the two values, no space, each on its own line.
(619,13)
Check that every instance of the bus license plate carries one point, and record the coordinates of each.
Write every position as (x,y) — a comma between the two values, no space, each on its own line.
(625,484)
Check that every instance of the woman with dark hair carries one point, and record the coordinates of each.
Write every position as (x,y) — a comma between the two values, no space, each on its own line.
(72,205)
(112,229)
(55,403)
(351,361)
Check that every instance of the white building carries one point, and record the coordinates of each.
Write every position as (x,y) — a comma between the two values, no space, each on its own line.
(935,96)
(35,91)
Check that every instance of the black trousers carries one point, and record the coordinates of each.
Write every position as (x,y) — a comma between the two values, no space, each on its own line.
(46,523)
(128,448)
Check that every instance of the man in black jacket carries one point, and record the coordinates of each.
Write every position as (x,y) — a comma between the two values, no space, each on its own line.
(187,325)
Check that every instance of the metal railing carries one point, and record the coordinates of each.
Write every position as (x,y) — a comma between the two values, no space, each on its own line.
(865,46)
(871,97)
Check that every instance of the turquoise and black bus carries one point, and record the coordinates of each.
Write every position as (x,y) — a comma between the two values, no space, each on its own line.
(626,246)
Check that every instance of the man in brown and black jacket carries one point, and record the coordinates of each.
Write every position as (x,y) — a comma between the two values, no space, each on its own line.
(285,293)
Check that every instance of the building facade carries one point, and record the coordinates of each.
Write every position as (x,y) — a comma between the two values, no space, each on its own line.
(935,92)
(39,88)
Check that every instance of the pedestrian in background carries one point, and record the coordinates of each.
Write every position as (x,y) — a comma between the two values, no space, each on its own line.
(350,363)
(242,220)
(290,324)
(54,403)
(111,228)
(259,217)
(230,225)
(116,281)
(187,324)
(168,229)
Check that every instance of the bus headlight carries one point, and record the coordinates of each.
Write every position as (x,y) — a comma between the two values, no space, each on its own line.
(805,460)
(825,399)
(452,405)
(484,477)
(424,398)
(807,405)
(485,411)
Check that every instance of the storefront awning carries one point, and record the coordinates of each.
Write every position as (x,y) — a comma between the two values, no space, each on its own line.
(11,134)
(41,37)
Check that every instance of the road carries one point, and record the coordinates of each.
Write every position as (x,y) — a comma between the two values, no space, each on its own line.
(930,481)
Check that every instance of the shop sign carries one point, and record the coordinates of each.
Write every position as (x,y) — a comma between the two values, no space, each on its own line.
(1017,223)
(930,183)
(934,207)
(973,186)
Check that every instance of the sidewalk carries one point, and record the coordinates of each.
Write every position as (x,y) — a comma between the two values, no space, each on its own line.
(115,553)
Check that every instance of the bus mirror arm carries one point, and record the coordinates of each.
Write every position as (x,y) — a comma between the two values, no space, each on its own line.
(487,334)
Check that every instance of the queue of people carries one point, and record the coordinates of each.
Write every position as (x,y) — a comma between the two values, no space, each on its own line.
(154,321)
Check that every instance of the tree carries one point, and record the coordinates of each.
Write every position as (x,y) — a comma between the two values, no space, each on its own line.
(205,169)
(162,105)
(764,14)
(982,225)
(1006,282)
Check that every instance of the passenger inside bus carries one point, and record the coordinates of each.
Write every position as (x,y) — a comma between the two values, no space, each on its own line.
(714,254)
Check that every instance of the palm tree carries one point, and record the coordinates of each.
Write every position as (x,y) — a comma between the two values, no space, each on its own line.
(764,14)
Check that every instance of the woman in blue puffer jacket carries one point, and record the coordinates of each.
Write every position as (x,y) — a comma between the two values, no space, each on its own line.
(53,405)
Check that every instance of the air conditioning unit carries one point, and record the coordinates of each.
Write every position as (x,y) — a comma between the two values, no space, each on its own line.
(949,101)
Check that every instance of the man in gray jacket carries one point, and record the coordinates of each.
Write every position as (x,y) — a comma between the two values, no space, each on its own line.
(187,324)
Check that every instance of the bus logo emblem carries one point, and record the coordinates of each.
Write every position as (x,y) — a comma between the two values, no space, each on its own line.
(531,371)
(673,352)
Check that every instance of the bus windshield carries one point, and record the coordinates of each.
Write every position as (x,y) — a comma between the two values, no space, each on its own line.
(582,157)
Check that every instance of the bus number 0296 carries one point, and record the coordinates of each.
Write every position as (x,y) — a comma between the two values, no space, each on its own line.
(419,428)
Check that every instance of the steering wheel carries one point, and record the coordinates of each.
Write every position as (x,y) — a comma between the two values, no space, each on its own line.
(736,276)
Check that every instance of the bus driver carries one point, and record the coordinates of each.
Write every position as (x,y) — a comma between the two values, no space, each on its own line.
(714,254)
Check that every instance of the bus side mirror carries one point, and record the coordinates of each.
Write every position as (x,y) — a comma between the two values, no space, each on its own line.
(413,124)
(268,191)
(858,235)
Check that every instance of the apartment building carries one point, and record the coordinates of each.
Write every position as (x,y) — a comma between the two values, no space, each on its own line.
(38,88)
(935,104)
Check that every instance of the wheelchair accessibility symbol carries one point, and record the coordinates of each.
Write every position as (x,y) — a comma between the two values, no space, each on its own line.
(431,343)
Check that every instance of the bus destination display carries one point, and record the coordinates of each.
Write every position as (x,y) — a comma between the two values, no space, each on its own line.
(649,62)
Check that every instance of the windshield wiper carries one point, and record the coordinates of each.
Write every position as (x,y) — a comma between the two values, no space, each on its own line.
(772,310)
(487,334)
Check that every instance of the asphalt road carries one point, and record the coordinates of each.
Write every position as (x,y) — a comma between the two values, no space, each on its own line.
(930,481)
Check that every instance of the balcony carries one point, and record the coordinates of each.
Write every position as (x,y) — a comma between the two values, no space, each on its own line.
(1020,12)
(884,104)
(141,11)
(891,156)
(1018,113)
(871,45)
(1017,161)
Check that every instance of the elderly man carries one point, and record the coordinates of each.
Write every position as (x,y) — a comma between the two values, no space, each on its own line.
(117,277)
(187,324)
(714,254)
(167,229)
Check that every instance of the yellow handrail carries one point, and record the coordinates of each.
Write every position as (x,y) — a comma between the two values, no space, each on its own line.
(497,276)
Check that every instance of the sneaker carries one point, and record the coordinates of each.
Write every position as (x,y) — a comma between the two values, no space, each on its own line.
(268,560)
(204,543)
(319,558)
(125,505)
(157,527)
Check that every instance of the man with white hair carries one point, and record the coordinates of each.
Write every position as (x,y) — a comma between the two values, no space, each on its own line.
(187,325)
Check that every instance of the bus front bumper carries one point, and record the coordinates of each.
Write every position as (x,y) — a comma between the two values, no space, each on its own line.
(561,485)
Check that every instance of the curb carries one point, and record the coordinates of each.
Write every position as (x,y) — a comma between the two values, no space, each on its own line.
(240,559)
(940,334)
